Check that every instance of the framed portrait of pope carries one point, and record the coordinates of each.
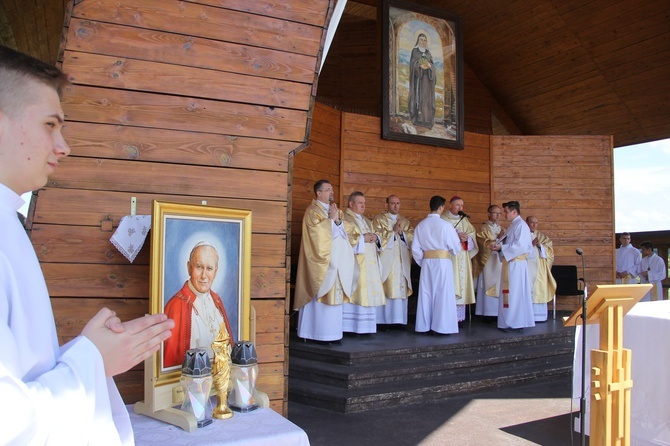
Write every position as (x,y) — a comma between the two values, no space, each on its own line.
(200,278)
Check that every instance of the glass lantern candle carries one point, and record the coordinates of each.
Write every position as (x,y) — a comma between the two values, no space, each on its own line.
(196,382)
(243,375)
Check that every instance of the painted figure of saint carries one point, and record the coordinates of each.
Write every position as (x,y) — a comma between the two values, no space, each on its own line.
(422,79)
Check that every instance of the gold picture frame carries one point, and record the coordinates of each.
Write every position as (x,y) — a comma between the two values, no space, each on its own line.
(175,231)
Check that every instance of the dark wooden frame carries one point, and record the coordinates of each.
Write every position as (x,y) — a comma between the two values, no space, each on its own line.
(396,122)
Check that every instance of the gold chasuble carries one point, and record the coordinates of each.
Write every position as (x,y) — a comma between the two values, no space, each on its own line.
(369,292)
(486,237)
(326,267)
(544,287)
(463,283)
(396,255)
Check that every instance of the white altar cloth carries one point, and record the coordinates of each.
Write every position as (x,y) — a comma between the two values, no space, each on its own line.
(261,427)
(646,331)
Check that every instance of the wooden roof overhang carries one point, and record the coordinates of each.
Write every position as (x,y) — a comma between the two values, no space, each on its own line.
(558,67)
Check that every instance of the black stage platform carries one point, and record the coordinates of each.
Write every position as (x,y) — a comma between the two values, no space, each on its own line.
(394,368)
(474,331)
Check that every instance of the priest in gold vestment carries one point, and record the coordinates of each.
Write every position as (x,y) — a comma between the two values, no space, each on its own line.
(360,315)
(542,283)
(396,234)
(487,265)
(462,262)
(327,272)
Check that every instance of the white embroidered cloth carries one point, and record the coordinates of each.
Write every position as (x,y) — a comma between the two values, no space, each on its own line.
(130,235)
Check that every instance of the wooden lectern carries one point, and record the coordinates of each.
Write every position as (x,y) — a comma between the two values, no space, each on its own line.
(611,364)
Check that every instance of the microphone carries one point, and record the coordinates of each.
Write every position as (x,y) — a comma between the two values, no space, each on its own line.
(579,251)
(463,214)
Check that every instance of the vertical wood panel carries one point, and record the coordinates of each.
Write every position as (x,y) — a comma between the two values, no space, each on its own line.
(567,183)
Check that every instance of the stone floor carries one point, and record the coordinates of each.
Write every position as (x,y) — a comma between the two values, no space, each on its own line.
(535,413)
(530,414)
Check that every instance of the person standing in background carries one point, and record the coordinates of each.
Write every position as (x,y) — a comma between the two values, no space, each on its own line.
(396,234)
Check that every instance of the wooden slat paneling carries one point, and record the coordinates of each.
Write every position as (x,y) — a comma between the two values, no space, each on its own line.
(108,106)
(177,49)
(312,12)
(120,72)
(82,244)
(567,183)
(412,171)
(171,146)
(208,22)
(89,207)
(104,174)
(132,281)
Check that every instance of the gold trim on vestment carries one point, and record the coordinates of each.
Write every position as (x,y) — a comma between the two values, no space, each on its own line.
(436,254)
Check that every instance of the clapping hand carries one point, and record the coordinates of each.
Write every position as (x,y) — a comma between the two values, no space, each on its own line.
(122,345)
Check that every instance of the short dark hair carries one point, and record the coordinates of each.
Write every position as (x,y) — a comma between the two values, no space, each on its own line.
(624,233)
(647,245)
(17,69)
(355,194)
(513,206)
(318,184)
(436,201)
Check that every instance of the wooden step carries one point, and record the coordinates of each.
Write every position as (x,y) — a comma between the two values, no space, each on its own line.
(398,368)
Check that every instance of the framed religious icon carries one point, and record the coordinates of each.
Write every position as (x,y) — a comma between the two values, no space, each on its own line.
(422,72)
(200,278)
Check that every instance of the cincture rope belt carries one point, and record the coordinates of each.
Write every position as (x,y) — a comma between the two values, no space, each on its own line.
(436,254)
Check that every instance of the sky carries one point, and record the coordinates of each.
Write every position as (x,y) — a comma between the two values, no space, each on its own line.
(641,181)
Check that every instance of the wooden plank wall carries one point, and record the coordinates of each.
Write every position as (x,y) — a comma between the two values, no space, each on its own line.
(171,101)
(414,172)
(567,183)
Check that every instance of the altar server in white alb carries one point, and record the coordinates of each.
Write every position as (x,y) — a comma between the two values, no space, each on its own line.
(487,266)
(627,261)
(51,394)
(542,283)
(435,244)
(360,316)
(396,234)
(327,272)
(652,270)
(515,304)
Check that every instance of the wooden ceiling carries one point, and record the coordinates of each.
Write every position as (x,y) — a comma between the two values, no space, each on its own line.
(33,26)
(556,66)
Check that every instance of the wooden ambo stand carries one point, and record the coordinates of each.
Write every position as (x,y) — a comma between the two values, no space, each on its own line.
(611,381)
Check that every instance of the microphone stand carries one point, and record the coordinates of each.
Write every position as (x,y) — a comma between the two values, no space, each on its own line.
(582,401)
